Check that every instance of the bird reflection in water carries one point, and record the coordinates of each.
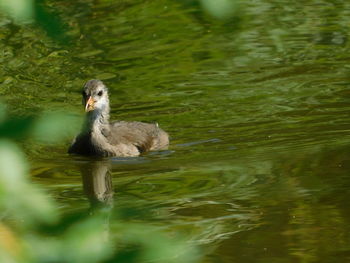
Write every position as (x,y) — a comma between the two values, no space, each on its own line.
(97,183)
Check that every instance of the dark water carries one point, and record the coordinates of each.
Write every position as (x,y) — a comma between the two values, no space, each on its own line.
(257,108)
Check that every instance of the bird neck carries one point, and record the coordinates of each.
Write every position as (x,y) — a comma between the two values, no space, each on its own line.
(97,120)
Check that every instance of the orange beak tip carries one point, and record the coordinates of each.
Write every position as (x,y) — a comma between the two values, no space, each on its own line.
(89,106)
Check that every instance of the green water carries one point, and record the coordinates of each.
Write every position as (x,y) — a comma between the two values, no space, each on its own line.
(257,108)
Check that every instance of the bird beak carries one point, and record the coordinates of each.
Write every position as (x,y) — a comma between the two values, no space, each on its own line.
(89,106)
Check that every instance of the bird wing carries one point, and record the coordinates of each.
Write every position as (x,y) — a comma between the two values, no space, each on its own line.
(139,134)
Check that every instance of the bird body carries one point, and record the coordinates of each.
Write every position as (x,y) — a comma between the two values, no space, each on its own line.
(101,138)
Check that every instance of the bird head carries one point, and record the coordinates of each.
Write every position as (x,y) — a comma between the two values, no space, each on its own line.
(95,95)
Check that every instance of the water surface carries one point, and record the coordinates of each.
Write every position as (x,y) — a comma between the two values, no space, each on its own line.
(257,108)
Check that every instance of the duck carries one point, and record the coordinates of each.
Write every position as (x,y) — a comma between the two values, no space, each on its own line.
(100,137)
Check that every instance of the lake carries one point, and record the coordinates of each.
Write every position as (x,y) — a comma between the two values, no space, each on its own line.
(257,107)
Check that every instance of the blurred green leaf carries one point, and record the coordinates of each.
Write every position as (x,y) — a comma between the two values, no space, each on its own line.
(88,241)
(13,166)
(221,9)
(33,206)
(49,127)
(25,11)
(16,128)
(24,201)
(20,10)
(53,127)
(50,22)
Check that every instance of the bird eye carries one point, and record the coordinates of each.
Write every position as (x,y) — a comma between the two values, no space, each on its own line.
(83,93)
(100,93)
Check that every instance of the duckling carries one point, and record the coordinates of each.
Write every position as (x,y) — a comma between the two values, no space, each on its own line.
(99,137)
